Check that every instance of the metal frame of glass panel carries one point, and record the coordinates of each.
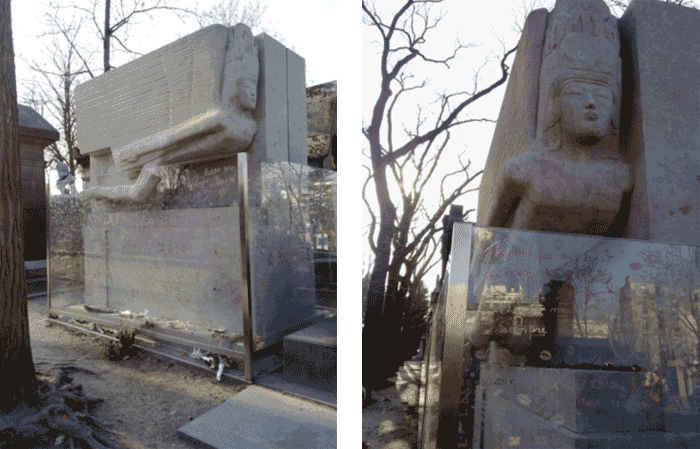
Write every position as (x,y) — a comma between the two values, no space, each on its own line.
(245,265)
(448,368)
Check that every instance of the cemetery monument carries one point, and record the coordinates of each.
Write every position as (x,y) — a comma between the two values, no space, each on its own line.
(198,182)
(584,331)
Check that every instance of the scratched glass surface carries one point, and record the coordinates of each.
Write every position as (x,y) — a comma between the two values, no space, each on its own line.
(612,304)
(292,217)
(175,257)
(429,402)
(642,297)
(590,334)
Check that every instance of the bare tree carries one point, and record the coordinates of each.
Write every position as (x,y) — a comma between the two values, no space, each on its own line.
(232,12)
(70,62)
(117,15)
(396,239)
(55,95)
(16,364)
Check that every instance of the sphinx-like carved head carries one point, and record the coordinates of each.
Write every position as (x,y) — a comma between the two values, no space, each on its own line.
(585,109)
(240,84)
(579,92)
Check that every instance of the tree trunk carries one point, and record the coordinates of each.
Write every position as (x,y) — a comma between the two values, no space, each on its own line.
(374,333)
(16,364)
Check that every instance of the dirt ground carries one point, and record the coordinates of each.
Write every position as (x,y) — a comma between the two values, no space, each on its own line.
(384,425)
(145,398)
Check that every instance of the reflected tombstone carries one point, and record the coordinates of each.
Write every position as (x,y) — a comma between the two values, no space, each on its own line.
(162,227)
(586,145)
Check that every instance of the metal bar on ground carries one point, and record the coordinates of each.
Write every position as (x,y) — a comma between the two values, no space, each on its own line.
(181,342)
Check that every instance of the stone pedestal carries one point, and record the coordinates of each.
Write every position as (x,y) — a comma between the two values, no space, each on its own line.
(310,356)
(178,256)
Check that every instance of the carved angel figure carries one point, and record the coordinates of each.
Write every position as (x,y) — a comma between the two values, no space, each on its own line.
(573,179)
(218,131)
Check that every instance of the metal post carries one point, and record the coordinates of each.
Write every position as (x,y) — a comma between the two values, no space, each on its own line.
(47,214)
(455,325)
(245,267)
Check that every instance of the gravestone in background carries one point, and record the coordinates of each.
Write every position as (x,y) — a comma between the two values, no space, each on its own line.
(323,127)
(35,134)
(163,233)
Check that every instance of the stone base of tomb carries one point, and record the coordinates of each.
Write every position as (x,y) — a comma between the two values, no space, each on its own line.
(178,255)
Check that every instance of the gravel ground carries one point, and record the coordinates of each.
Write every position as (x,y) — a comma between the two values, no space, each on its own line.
(384,425)
(146,398)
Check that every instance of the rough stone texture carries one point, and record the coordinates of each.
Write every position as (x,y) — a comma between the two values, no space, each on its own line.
(663,134)
(260,418)
(281,104)
(572,179)
(186,103)
(175,252)
(322,117)
(177,256)
(163,89)
(517,121)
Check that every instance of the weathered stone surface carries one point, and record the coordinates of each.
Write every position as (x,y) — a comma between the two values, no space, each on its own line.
(178,255)
(168,88)
(322,117)
(260,418)
(281,100)
(662,134)
(572,179)
(206,96)
(517,121)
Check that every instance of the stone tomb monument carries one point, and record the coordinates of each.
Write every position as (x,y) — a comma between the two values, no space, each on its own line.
(162,227)
(597,135)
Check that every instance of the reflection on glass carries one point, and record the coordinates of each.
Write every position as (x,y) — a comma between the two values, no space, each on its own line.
(173,260)
(431,390)
(633,301)
(590,333)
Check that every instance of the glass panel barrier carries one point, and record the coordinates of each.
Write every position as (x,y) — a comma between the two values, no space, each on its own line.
(171,265)
(293,213)
(574,333)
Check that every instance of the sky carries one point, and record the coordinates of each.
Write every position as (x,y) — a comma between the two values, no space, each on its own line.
(489,28)
(309,30)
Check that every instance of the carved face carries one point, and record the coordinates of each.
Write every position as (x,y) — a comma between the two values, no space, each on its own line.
(240,90)
(586,109)
(247,90)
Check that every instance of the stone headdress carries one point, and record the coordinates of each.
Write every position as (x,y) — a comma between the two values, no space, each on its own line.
(582,44)
(241,45)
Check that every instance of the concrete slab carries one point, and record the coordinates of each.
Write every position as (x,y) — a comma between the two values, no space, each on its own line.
(280,382)
(260,418)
